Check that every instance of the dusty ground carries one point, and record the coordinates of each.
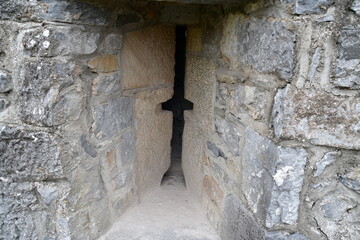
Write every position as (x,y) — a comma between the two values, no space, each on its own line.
(167,213)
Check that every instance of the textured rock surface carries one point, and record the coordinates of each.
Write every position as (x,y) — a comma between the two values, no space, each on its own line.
(148,57)
(318,116)
(267,46)
(5,82)
(229,135)
(310,6)
(112,117)
(273,178)
(284,236)
(356,7)
(238,223)
(347,71)
(153,136)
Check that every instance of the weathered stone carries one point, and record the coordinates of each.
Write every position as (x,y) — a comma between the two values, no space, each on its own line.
(337,214)
(113,42)
(68,108)
(72,12)
(213,190)
(238,224)
(60,40)
(88,148)
(127,18)
(311,6)
(148,57)
(288,179)
(104,63)
(352,179)
(121,179)
(47,192)
(153,137)
(258,168)
(5,82)
(181,14)
(229,134)
(194,39)
(28,154)
(4,103)
(318,116)
(40,91)
(356,7)
(127,150)
(328,159)
(266,45)
(284,236)
(250,100)
(215,149)
(347,72)
(112,117)
(272,179)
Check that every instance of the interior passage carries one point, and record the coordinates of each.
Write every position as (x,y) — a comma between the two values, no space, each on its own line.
(177,105)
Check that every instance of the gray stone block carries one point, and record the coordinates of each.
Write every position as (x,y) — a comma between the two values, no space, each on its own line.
(112,117)
(215,149)
(106,84)
(268,46)
(5,82)
(347,72)
(71,11)
(59,41)
(327,160)
(229,134)
(127,150)
(288,179)
(352,179)
(28,155)
(238,224)
(40,92)
(272,179)
(311,6)
(317,116)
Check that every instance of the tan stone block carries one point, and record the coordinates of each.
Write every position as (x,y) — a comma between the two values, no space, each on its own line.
(213,190)
(104,63)
(200,81)
(153,137)
(194,39)
(149,57)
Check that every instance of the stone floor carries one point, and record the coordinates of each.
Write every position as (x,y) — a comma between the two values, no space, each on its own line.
(167,213)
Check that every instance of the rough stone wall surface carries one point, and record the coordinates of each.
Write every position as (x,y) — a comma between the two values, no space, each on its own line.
(68,135)
(280,154)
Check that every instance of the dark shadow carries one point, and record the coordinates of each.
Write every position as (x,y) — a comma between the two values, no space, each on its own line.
(177,105)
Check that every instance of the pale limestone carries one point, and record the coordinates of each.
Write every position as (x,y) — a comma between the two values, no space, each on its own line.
(148,57)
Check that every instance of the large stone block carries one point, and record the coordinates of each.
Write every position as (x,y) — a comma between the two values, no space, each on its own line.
(104,85)
(317,116)
(266,45)
(54,10)
(153,137)
(199,88)
(27,154)
(347,72)
(272,179)
(148,57)
(42,102)
(112,117)
(238,224)
(54,41)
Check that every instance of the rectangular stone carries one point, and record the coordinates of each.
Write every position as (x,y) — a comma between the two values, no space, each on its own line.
(51,41)
(27,154)
(266,45)
(148,57)
(112,117)
(318,116)
(272,179)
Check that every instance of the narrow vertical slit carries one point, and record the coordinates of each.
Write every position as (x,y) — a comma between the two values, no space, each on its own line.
(177,105)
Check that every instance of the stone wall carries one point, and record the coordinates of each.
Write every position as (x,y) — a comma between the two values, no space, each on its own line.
(271,147)
(274,132)
(68,103)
